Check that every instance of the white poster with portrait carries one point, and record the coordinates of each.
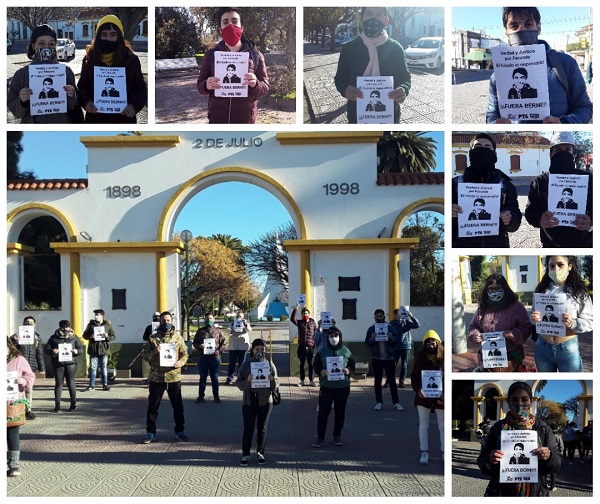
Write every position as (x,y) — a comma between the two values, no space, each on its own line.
(26,335)
(519,464)
(230,69)
(404,312)
(375,107)
(167,354)
(567,197)
(12,387)
(431,383)
(155,327)
(480,205)
(493,350)
(210,346)
(110,89)
(334,368)
(238,325)
(47,84)
(326,320)
(301,300)
(99,333)
(551,308)
(381,331)
(521,82)
(65,352)
(260,372)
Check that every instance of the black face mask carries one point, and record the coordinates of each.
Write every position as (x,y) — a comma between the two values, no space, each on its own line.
(430,350)
(165,327)
(562,162)
(523,37)
(107,46)
(372,27)
(482,161)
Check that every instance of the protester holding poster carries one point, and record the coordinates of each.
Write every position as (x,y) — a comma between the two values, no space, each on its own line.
(209,341)
(542,210)
(431,357)
(228,109)
(372,53)
(41,50)
(519,418)
(110,49)
(403,322)
(99,333)
(561,353)
(482,170)
(569,101)
(238,345)
(499,309)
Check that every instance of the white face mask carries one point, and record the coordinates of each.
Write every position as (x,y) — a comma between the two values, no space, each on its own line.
(98,318)
(334,341)
(496,295)
(559,276)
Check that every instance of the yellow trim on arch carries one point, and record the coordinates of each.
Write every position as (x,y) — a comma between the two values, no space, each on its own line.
(63,219)
(328,137)
(217,171)
(19,249)
(352,244)
(144,141)
(117,247)
(411,208)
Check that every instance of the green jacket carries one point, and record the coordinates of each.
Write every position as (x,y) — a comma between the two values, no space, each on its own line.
(321,364)
(99,347)
(164,374)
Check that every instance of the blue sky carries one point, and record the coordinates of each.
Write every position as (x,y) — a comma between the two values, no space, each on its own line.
(558,23)
(62,155)
(560,390)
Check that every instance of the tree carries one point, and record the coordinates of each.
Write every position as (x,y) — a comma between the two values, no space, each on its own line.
(584,143)
(405,152)
(321,18)
(399,16)
(552,412)
(14,148)
(130,18)
(35,16)
(175,31)
(572,405)
(587,270)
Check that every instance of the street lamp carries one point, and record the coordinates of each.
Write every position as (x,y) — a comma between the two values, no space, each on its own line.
(186,236)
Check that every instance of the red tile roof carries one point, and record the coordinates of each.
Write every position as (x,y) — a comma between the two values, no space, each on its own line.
(502,139)
(410,178)
(46,184)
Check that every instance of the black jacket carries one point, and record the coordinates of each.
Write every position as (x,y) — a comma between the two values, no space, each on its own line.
(99,347)
(34,354)
(58,338)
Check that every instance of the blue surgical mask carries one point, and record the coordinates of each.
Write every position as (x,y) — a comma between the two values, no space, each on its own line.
(166,327)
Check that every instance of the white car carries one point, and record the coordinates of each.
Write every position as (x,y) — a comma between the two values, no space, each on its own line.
(65,48)
(427,52)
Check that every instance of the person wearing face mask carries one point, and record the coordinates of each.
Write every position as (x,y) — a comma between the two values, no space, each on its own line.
(98,348)
(482,170)
(224,110)
(41,50)
(64,370)
(164,378)
(333,392)
(110,49)
(562,162)
(257,403)
(569,100)
(403,344)
(499,309)
(149,328)
(561,353)
(372,53)
(210,357)
(307,328)
(519,417)
(430,358)
(238,345)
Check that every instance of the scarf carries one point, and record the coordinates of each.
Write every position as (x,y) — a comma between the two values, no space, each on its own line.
(107,59)
(515,422)
(372,44)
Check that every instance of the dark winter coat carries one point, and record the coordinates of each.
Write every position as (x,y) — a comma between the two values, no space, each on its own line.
(306,330)
(99,347)
(321,363)
(34,354)
(58,339)
(208,333)
(422,363)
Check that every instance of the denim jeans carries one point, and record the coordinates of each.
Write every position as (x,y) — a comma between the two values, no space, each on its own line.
(95,361)
(402,357)
(209,366)
(562,357)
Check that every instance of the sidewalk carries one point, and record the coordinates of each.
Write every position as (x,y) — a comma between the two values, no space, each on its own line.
(96,450)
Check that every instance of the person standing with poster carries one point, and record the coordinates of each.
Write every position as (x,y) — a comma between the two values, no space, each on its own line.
(558,353)
(210,342)
(238,344)
(403,322)
(241,110)
(99,333)
(307,328)
(519,417)
(110,49)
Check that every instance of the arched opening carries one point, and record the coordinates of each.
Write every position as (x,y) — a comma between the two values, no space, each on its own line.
(490,405)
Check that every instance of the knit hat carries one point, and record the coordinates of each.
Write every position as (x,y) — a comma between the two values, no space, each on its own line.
(335,330)
(42,30)
(110,19)
(258,342)
(431,334)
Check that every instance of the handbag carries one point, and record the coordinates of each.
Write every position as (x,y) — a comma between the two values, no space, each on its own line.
(16,413)
(276,395)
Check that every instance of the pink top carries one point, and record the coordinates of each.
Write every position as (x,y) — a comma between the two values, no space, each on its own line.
(21,366)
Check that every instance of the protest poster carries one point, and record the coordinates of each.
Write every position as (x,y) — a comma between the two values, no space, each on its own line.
(99,333)
(230,69)
(518,465)
(47,84)
(381,331)
(480,205)
(26,335)
(260,373)
(567,197)
(12,387)
(210,346)
(301,300)
(110,89)
(155,327)
(167,354)
(65,352)
(431,383)
(334,368)
(551,308)
(521,82)
(326,320)
(493,350)
(404,312)
(238,325)
(375,107)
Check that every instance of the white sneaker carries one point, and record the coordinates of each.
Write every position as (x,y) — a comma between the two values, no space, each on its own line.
(312,383)
(378,406)
(424,458)
(398,407)
(301,383)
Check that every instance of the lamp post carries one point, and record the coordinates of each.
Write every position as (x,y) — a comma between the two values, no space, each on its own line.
(186,236)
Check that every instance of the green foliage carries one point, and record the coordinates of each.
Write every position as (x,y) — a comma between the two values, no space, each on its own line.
(283,318)
(113,360)
(405,152)
(175,32)
(269,318)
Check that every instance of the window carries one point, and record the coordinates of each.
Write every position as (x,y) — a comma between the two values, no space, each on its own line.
(348,284)
(86,31)
(461,162)
(523,267)
(119,299)
(515,163)
(348,309)
(523,278)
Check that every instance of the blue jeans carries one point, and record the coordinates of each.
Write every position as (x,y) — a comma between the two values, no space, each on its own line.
(402,357)
(563,357)
(95,361)
(206,366)
(235,356)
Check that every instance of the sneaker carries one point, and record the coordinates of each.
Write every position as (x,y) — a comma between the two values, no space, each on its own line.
(386,384)
(105,387)
(89,389)
(337,441)
(571,463)
(317,407)
(245,461)
(228,381)
(318,443)
(56,409)
(30,415)
(312,383)
(401,384)
(261,459)
(14,471)
(217,399)
(199,400)
(581,462)
(180,436)
(301,383)
(398,407)
(149,438)
(73,407)
(553,489)
(378,406)
(424,460)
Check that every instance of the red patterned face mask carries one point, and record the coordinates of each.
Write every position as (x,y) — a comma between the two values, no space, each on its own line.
(231,34)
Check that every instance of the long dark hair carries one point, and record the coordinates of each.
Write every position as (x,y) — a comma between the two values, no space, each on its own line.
(121,53)
(12,350)
(509,296)
(439,357)
(574,284)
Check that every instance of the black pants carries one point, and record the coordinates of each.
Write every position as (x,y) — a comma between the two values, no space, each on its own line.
(155,395)
(259,416)
(306,354)
(338,397)
(60,373)
(379,366)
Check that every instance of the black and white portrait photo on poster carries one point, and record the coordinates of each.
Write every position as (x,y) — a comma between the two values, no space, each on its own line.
(167,354)
(567,197)
(326,319)
(375,107)
(431,383)
(381,331)
(518,465)
(551,307)
(481,209)
(493,350)
(230,69)
(110,89)
(334,368)
(260,373)
(26,335)
(47,83)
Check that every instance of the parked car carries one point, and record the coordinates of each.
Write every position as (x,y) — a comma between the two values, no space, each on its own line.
(342,38)
(8,44)
(65,48)
(427,52)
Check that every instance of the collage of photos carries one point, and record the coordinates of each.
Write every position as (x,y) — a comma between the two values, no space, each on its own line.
(296,252)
